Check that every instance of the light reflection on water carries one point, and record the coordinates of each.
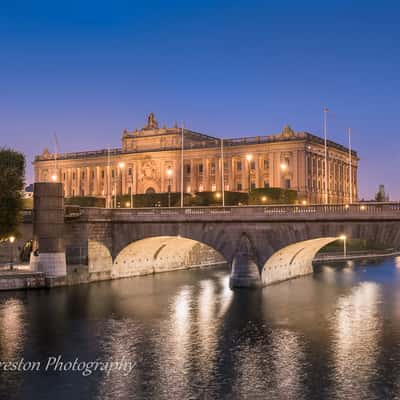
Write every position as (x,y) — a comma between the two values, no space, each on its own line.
(334,335)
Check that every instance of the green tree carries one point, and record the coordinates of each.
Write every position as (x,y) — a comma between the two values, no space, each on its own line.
(12,170)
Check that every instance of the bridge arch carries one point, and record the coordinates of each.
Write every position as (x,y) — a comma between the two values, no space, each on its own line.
(293,260)
(163,253)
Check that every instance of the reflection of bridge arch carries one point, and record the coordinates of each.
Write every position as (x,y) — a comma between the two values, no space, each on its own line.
(163,253)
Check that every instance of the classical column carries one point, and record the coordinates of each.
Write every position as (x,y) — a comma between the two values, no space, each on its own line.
(257,161)
(87,181)
(231,174)
(78,181)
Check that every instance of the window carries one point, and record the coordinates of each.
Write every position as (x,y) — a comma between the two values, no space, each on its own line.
(239,187)
(213,187)
(201,187)
(188,168)
(287,183)
(113,173)
(266,184)
(83,174)
(266,164)
(102,174)
(212,168)
(252,165)
(200,168)
(226,166)
(238,165)
(73,175)
(64,176)
(252,185)
(130,171)
(188,189)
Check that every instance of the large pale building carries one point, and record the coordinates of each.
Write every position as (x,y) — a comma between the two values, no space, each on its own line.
(150,160)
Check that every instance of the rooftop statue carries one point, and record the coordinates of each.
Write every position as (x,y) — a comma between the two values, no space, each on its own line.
(151,122)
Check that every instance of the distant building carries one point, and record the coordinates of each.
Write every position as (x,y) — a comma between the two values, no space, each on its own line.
(381,196)
(292,160)
(28,192)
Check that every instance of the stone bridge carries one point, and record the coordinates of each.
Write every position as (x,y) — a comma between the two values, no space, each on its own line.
(261,244)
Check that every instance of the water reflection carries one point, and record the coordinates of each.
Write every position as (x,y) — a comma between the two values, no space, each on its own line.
(357,328)
(334,334)
(12,330)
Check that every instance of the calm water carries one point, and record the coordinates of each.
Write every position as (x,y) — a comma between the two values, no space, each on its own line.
(333,335)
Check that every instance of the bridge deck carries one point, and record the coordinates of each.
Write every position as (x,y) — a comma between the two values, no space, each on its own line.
(331,212)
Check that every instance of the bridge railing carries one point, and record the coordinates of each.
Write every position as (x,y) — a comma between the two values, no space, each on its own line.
(358,209)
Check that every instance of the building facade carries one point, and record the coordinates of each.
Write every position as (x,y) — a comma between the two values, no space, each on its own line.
(152,160)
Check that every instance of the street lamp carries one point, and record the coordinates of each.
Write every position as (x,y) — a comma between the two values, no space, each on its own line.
(264,199)
(249,158)
(344,238)
(169,175)
(11,239)
(283,166)
(54,178)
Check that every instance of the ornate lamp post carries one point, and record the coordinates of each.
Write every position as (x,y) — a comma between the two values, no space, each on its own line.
(11,239)
(169,175)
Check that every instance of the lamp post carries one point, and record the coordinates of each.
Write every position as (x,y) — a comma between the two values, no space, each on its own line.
(169,175)
(249,158)
(344,238)
(11,239)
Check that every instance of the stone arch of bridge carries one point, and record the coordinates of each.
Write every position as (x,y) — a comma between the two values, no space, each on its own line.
(164,253)
(293,260)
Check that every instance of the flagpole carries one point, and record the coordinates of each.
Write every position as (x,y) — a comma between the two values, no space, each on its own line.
(222,173)
(326,156)
(182,136)
(350,171)
(108,179)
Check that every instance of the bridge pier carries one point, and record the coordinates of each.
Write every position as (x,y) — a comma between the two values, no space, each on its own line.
(48,253)
(245,272)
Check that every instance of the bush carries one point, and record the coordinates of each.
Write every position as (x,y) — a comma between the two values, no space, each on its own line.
(86,201)
(215,199)
(273,196)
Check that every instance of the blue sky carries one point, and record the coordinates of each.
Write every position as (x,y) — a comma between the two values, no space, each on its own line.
(87,70)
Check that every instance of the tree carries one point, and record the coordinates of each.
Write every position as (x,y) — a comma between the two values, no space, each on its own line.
(12,170)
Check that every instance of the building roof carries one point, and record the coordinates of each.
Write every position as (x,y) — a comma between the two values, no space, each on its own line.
(197,140)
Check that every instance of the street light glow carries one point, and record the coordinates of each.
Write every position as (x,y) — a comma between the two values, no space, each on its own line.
(169,171)
(11,239)
(283,167)
(249,157)
(342,237)
(121,164)
(304,202)
(264,199)
(218,195)
(54,177)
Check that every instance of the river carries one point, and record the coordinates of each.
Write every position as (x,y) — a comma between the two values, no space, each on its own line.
(331,335)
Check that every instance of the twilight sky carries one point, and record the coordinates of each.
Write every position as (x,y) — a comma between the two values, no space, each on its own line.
(87,70)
